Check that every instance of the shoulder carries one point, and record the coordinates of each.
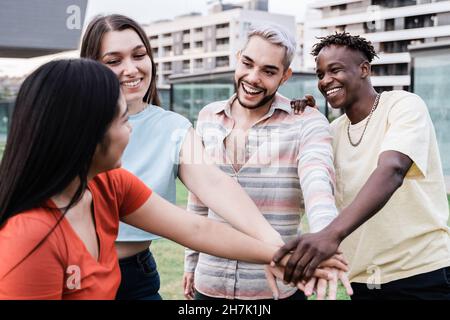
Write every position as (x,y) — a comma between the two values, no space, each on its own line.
(113,179)
(403,99)
(169,117)
(31,223)
(211,109)
(311,117)
(23,231)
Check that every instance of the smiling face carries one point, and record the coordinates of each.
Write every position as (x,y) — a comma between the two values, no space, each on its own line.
(341,72)
(125,54)
(259,73)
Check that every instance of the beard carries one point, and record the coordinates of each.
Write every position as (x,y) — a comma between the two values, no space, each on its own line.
(266,98)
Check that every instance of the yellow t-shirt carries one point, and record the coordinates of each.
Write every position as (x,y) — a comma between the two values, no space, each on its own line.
(409,236)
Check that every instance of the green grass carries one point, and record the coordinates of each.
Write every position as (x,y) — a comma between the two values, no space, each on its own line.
(170,258)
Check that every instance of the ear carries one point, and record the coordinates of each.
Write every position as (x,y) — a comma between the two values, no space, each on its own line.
(365,69)
(286,75)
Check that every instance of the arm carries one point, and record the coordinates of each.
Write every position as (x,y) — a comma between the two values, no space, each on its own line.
(221,193)
(161,217)
(311,249)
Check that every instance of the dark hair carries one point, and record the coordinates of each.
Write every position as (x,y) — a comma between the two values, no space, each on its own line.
(62,112)
(346,39)
(92,41)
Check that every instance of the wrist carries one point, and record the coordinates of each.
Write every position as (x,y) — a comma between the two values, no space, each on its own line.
(335,231)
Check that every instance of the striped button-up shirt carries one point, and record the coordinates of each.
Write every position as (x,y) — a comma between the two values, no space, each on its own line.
(288,170)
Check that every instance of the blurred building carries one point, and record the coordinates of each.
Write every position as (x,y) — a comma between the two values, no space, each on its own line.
(391,25)
(430,69)
(194,43)
(36,28)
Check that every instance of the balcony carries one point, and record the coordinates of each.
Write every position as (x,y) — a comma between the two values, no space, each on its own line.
(383,14)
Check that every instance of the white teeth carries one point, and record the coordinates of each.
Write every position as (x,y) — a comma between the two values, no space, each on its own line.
(333,91)
(132,83)
(250,90)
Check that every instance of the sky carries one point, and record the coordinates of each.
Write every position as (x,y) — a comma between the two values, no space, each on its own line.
(146,11)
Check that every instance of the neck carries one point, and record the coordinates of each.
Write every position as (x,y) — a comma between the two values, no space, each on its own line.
(136,107)
(63,198)
(361,108)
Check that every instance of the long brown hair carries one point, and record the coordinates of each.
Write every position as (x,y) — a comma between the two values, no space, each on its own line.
(92,40)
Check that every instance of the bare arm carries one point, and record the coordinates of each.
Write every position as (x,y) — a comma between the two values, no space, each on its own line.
(163,218)
(221,193)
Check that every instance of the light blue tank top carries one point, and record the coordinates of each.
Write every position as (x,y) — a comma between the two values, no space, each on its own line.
(152,154)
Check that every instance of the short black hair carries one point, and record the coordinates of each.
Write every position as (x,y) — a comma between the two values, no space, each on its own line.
(346,39)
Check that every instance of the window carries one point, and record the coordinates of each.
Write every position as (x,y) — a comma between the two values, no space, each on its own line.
(186,65)
(222,62)
(222,26)
(223,41)
(198,63)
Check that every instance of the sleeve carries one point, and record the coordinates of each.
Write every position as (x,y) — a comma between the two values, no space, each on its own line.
(27,275)
(190,256)
(409,127)
(132,193)
(316,171)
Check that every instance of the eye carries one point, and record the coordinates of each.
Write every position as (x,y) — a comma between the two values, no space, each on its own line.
(270,73)
(112,62)
(140,56)
(319,75)
(335,70)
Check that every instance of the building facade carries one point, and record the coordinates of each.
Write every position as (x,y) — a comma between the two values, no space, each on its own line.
(195,44)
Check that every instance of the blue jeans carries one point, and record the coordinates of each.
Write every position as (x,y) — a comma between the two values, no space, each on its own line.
(434,285)
(140,278)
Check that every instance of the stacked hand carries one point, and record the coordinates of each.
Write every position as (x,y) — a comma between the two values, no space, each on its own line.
(325,277)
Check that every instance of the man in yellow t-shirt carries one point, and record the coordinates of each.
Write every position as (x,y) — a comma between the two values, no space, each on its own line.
(390,187)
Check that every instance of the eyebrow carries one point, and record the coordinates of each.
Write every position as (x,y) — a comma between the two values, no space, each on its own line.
(139,46)
(267,66)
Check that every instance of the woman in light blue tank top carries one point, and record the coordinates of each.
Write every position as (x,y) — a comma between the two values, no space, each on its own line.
(162,147)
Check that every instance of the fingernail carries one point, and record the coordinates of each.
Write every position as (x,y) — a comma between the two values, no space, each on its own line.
(275,297)
(272,264)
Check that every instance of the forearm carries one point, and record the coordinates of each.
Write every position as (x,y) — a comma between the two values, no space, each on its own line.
(377,191)
(226,197)
(226,242)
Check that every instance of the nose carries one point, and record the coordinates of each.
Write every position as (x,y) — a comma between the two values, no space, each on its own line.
(253,76)
(129,67)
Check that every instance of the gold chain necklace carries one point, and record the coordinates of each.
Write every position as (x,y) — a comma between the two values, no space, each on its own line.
(375,104)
